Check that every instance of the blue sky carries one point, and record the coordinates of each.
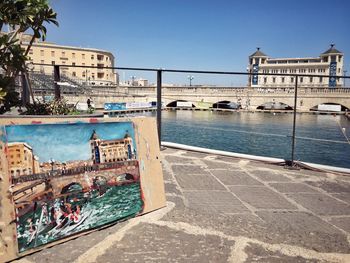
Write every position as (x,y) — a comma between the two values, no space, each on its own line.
(202,35)
(64,142)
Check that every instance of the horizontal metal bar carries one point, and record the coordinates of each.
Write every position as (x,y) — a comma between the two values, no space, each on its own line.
(198,71)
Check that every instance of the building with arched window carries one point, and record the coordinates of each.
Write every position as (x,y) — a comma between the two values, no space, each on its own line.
(328,64)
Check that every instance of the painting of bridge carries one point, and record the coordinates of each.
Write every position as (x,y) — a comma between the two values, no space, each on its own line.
(69,178)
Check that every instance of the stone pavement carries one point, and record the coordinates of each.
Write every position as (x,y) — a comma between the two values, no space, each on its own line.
(223,209)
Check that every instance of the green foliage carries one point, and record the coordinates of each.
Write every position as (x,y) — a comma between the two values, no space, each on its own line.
(22,16)
(55,107)
(8,95)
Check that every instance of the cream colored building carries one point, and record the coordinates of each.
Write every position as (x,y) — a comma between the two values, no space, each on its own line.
(21,160)
(329,63)
(53,54)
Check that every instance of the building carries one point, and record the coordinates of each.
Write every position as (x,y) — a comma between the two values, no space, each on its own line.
(106,151)
(329,63)
(21,160)
(53,54)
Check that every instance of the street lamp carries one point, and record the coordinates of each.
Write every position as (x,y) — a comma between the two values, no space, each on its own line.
(133,80)
(190,78)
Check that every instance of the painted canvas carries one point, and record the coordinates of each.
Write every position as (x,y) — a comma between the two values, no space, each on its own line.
(69,178)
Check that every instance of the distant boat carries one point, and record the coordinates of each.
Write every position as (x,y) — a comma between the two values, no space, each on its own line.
(227,105)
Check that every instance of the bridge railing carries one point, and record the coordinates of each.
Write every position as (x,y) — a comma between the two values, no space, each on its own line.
(158,89)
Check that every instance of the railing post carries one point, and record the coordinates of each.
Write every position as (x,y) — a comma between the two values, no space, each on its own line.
(294,119)
(25,90)
(159,105)
(57,78)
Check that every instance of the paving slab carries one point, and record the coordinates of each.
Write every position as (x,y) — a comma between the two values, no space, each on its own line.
(305,230)
(292,188)
(188,169)
(321,204)
(172,188)
(341,222)
(261,197)
(176,159)
(198,182)
(256,253)
(214,202)
(235,177)
(152,243)
(217,165)
(331,187)
(342,196)
(269,176)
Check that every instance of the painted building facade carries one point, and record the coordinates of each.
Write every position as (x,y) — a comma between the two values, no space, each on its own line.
(329,63)
(106,151)
(21,160)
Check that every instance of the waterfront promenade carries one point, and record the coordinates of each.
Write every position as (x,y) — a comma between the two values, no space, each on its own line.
(224,209)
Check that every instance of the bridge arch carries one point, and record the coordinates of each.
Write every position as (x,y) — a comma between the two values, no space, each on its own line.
(176,104)
(273,105)
(226,104)
(72,188)
(341,106)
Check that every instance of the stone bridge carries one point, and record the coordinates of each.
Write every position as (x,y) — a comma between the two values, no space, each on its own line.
(250,98)
(58,180)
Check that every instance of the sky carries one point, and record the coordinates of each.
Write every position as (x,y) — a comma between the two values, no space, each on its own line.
(66,142)
(202,35)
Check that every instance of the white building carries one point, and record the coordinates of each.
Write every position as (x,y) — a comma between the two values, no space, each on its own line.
(329,63)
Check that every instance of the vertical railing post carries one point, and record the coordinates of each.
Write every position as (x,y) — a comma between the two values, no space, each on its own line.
(57,78)
(159,105)
(25,90)
(294,119)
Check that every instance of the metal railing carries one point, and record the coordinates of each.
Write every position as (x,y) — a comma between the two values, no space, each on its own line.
(159,89)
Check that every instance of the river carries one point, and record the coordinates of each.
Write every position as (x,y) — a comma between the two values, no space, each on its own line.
(263,134)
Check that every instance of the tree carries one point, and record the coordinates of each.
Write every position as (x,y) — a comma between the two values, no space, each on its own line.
(21,16)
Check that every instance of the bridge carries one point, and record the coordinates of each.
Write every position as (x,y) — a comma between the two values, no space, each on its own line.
(29,188)
(249,98)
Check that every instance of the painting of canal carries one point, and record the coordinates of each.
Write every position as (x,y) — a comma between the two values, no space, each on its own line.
(69,178)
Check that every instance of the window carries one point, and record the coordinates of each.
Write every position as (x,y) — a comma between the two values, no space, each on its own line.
(52,53)
(74,74)
(311,79)
(325,59)
(92,57)
(63,54)
(73,63)
(41,52)
(333,58)
(52,62)
(282,79)
(73,55)
(321,79)
(83,56)
(301,79)
(339,58)
(274,80)
(292,79)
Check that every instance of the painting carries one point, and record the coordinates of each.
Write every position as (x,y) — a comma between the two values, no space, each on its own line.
(72,177)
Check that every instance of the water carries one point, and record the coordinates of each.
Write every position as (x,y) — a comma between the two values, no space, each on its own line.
(263,134)
(117,203)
